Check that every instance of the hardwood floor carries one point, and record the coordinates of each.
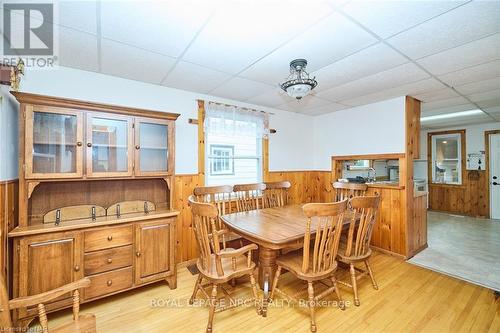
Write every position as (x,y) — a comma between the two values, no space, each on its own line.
(410,299)
(464,247)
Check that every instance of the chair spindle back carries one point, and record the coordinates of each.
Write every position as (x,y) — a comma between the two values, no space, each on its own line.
(276,194)
(348,190)
(205,219)
(249,196)
(360,233)
(326,220)
(220,196)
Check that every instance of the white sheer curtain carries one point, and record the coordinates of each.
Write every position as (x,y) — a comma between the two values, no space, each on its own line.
(231,121)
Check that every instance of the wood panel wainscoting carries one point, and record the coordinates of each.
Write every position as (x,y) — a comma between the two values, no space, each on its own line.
(307,186)
(315,186)
(401,226)
(470,198)
(390,229)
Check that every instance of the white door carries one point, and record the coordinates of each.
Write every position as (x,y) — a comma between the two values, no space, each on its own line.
(494,176)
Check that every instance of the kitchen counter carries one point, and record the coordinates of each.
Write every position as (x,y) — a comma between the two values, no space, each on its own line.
(386,184)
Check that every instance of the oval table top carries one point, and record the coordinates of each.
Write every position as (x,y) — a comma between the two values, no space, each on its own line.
(275,228)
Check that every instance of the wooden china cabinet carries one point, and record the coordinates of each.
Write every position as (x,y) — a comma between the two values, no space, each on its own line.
(95,199)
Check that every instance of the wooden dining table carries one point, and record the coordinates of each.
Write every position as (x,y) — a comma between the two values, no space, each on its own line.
(272,229)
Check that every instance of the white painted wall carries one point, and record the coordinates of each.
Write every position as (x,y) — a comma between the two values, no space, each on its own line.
(302,142)
(474,137)
(288,151)
(369,129)
(8,135)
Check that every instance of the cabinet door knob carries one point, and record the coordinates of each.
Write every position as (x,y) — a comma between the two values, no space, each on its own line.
(110,260)
(77,268)
(110,238)
(109,282)
(138,253)
(137,147)
(89,144)
(79,143)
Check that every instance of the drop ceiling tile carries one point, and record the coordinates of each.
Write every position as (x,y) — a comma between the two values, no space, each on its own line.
(484,96)
(71,46)
(375,83)
(344,38)
(471,74)
(270,98)
(133,63)
(241,89)
(79,15)
(157,26)
(193,77)
(489,103)
(409,89)
(332,107)
(464,24)
(306,103)
(240,33)
(461,121)
(495,110)
(436,95)
(339,3)
(454,101)
(480,86)
(366,62)
(457,108)
(471,54)
(387,18)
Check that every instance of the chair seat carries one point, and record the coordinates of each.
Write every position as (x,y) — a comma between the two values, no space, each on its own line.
(292,262)
(227,267)
(85,324)
(231,236)
(351,259)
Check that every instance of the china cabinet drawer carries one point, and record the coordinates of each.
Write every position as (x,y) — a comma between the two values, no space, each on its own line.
(107,283)
(107,260)
(108,238)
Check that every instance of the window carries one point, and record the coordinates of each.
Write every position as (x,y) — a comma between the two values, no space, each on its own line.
(359,165)
(233,145)
(221,160)
(447,158)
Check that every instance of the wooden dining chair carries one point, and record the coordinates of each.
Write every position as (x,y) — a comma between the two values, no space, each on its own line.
(357,249)
(222,198)
(324,220)
(216,265)
(345,190)
(249,196)
(276,193)
(81,323)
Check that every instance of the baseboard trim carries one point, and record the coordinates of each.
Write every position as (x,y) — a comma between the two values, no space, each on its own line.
(186,263)
(384,251)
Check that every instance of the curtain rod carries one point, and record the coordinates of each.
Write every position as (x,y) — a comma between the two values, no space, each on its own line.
(241,107)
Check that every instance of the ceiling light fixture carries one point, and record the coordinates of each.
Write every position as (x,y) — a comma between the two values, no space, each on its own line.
(451,115)
(298,84)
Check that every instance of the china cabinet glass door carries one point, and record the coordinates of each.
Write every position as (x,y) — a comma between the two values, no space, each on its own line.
(152,140)
(53,143)
(109,145)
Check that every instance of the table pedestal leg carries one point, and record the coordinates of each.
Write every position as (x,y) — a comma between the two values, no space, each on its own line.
(267,269)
